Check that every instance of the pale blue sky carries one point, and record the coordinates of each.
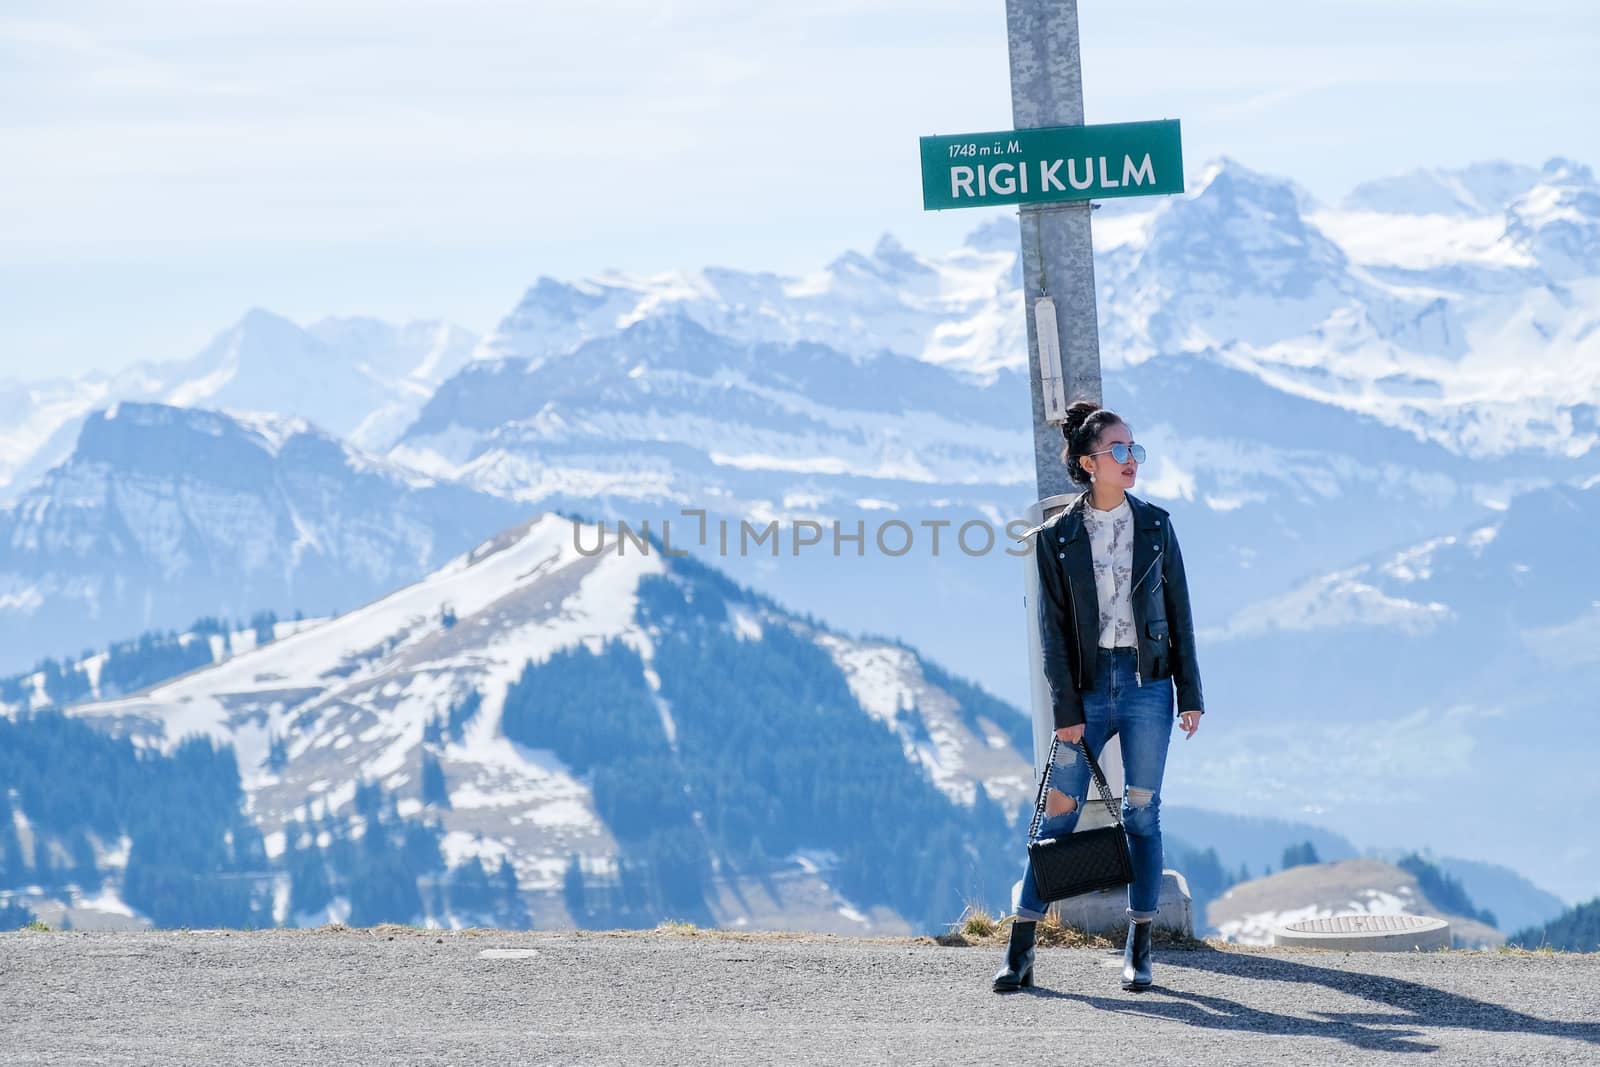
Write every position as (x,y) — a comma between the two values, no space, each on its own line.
(171,163)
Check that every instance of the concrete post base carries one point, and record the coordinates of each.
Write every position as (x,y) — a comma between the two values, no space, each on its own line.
(1105,912)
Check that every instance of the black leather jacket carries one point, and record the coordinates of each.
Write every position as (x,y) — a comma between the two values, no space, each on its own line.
(1069,608)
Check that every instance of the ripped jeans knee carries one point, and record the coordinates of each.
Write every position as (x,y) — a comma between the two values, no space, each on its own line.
(1059,803)
(1141,811)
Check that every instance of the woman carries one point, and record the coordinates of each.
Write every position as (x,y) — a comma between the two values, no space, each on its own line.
(1110,560)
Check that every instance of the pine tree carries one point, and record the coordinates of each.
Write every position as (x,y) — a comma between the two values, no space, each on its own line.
(264,623)
(471,896)
(1575,930)
(421,847)
(573,892)
(277,753)
(513,909)
(1301,855)
(462,713)
(435,793)
(13,916)
(309,889)
(382,890)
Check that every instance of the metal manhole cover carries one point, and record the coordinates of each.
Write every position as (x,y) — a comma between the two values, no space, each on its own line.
(1366,933)
(1356,924)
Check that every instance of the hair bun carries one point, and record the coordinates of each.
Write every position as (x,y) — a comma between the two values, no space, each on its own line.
(1078,413)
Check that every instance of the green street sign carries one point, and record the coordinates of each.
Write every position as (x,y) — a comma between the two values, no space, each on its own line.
(1051,163)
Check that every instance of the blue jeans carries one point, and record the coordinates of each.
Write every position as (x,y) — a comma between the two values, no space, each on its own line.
(1143,717)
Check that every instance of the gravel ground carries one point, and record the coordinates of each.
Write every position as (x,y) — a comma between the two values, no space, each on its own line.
(400,995)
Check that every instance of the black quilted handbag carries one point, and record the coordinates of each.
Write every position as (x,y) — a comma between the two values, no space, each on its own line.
(1081,862)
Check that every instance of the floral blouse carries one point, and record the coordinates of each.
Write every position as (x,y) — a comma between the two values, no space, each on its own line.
(1111,546)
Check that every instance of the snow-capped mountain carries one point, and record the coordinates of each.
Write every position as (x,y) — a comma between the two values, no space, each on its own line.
(1241,279)
(481,666)
(1235,263)
(683,411)
(1383,315)
(1524,568)
(1293,367)
(1407,303)
(354,377)
(1366,306)
(951,310)
(1481,189)
(1443,683)
(164,514)
(1557,222)
(361,379)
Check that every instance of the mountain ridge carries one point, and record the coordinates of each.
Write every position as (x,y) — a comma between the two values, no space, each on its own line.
(332,704)
(168,513)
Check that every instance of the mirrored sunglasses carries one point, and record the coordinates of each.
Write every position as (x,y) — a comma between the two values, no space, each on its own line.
(1120,452)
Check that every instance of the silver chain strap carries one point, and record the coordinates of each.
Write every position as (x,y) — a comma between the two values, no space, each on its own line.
(1044,785)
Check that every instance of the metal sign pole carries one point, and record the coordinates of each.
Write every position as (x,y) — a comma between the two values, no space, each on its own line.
(1057,261)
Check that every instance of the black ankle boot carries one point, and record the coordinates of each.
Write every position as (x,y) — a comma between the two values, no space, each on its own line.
(1136,957)
(1018,971)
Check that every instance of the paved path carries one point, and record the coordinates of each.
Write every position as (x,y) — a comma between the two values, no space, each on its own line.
(489,997)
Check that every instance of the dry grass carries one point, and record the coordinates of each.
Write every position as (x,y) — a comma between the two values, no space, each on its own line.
(1540,951)
(977,926)
(670,928)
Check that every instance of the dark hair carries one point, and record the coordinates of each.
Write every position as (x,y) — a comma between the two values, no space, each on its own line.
(1084,424)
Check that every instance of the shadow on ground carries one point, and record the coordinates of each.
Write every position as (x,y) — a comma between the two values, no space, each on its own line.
(1411,1005)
